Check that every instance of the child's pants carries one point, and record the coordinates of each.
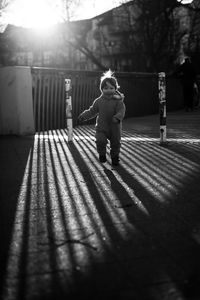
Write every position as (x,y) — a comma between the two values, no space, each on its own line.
(114,136)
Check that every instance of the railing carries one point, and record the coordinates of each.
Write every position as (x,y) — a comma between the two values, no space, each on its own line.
(48,101)
(49,95)
(140,89)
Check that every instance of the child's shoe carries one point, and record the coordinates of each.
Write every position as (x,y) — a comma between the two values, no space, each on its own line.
(115,161)
(102,158)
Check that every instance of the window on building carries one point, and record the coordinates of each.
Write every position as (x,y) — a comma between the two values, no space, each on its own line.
(47,57)
(30,58)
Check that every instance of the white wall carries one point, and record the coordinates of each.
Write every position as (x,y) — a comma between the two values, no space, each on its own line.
(16,104)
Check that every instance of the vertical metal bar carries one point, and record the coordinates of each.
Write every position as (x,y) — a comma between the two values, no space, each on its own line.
(51,102)
(60,102)
(43,104)
(47,94)
(76,94)
(35,91)
(55,100)
(68,98)
(162,106)
(81,96)
(39,102)
(58,95)
(63,117)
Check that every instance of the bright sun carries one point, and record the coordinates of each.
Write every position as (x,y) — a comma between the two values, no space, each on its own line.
(38,14)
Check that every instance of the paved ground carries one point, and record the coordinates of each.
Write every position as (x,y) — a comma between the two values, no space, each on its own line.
(72,228)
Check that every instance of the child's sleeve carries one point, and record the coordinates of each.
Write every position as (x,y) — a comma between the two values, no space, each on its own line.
(91,112)
(120,111)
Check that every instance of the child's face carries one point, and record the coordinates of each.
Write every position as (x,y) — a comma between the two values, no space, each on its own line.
(108,89)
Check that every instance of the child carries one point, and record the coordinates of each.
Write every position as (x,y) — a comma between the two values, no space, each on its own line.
(110,110)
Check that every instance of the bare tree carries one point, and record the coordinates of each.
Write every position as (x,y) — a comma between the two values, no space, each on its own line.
(155,33)
(75,35)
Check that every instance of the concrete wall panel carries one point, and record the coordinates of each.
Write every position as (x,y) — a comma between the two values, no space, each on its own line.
(16,104)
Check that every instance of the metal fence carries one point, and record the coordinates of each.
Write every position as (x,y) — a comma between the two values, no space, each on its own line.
(140,89)
(49,104)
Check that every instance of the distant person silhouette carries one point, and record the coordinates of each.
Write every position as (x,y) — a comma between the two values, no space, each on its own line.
(187,75)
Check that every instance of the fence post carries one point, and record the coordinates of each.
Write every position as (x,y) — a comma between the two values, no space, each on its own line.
(162,106)
(68,99)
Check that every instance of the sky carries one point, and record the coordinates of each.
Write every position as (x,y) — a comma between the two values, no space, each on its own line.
(41,14)
(91,8)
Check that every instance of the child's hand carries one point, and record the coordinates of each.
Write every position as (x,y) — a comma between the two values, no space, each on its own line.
(122,96)
(118,95)
(115,120)
(80,118)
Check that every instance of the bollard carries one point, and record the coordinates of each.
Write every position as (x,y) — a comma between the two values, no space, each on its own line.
(68,99)
(162,106)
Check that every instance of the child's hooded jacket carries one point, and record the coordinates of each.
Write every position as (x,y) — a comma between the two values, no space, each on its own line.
(105,108)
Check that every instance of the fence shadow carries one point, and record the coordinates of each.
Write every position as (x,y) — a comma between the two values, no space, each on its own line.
(87,229)
(16,162)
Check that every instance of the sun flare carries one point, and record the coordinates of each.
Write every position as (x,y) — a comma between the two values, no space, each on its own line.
(41,14)
(38,14)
